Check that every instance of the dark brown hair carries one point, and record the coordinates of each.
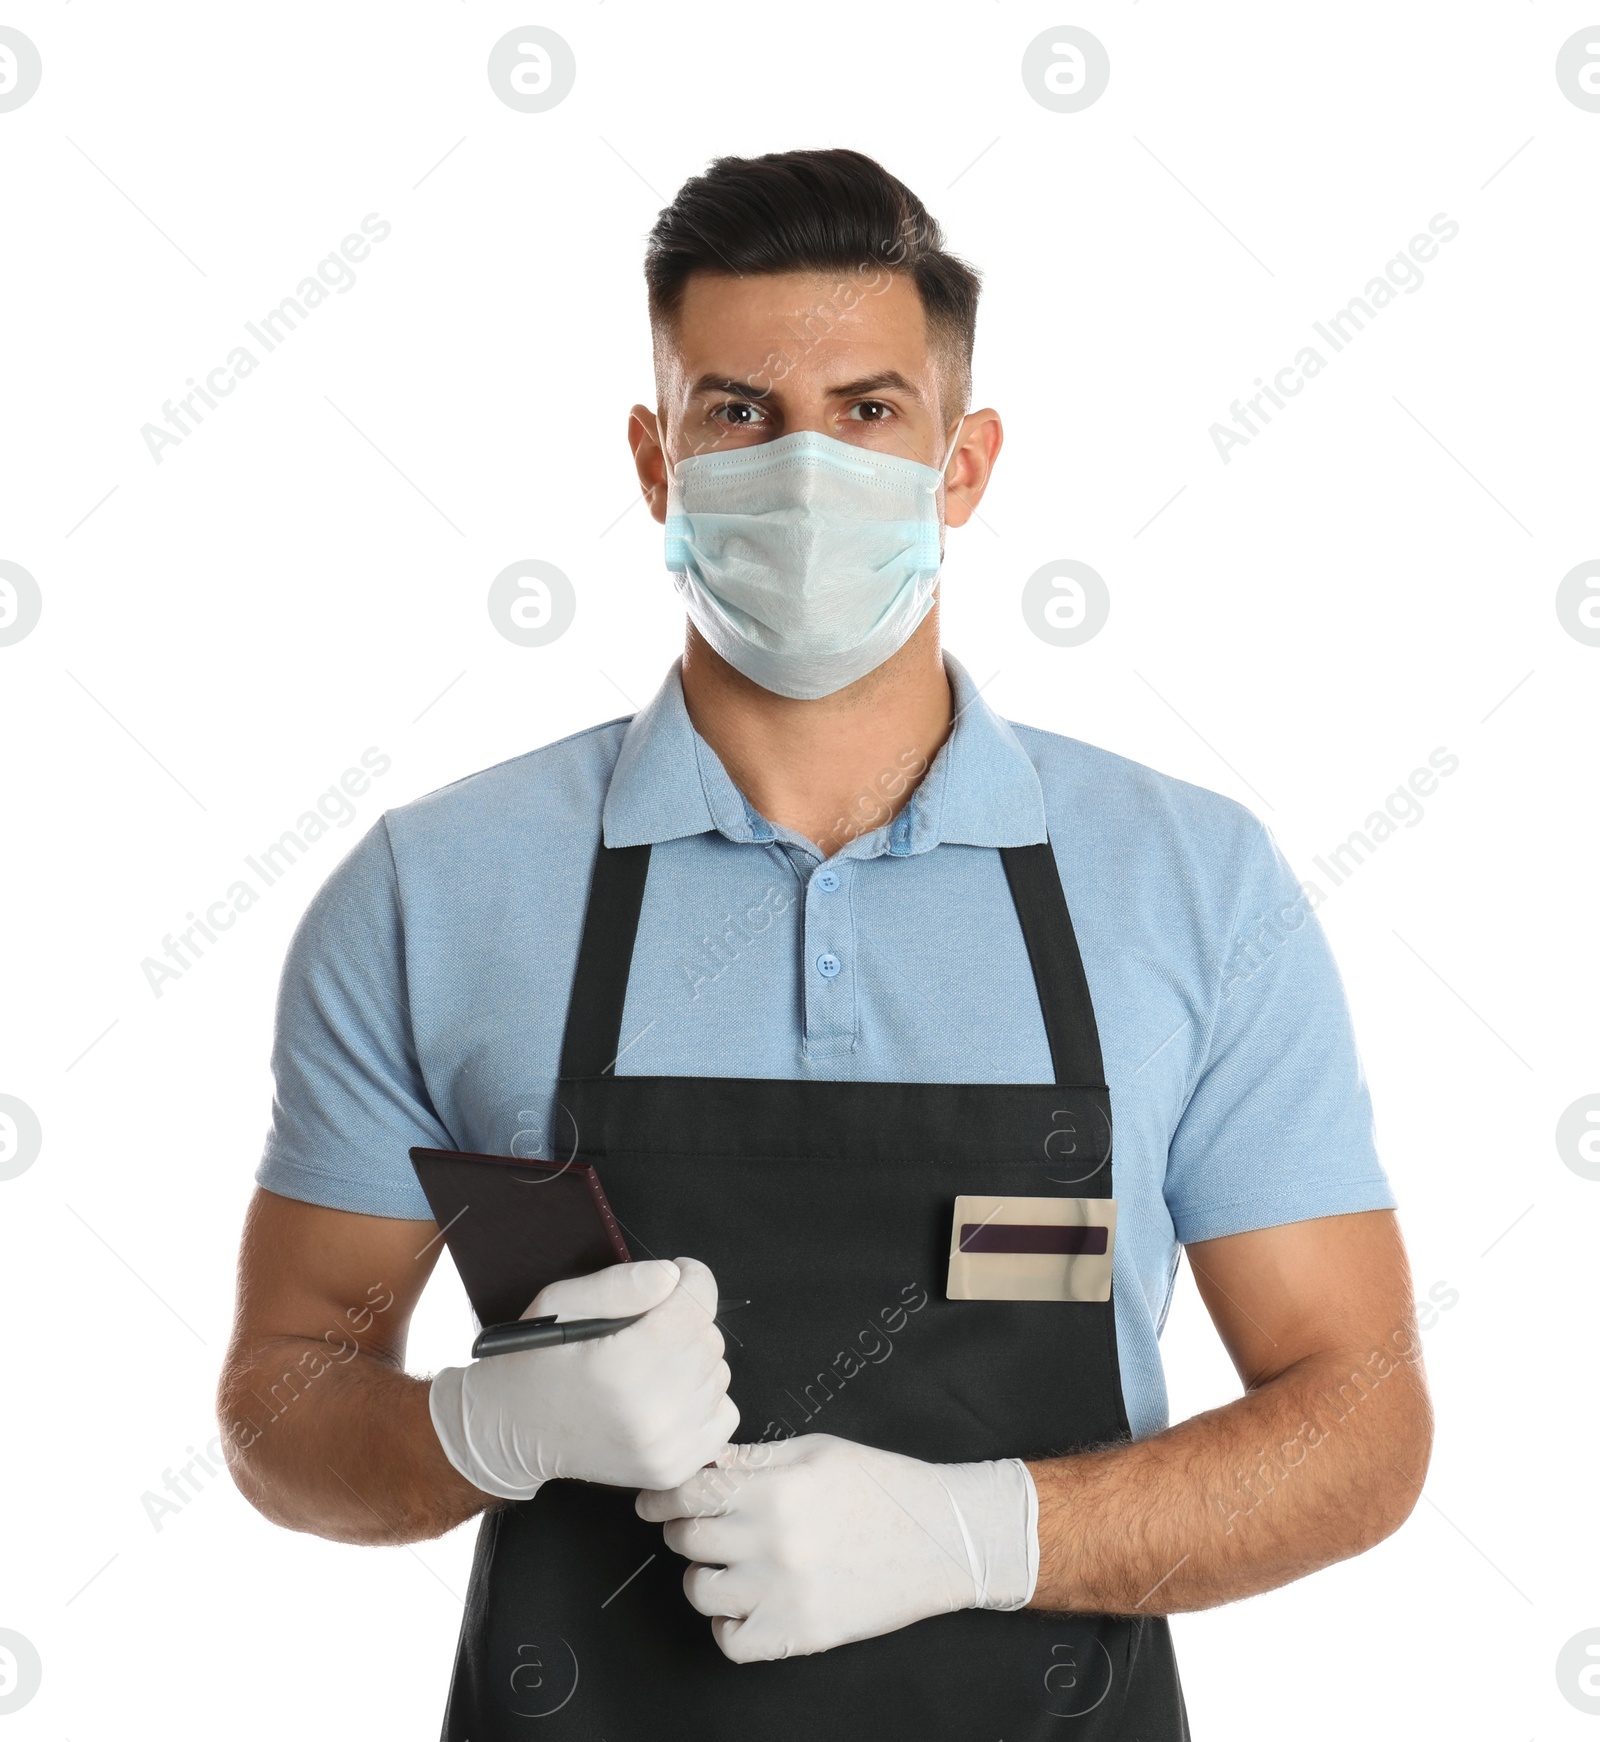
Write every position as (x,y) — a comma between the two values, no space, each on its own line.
(812,211)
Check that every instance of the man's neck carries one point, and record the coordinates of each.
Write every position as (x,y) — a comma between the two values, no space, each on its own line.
(831,769)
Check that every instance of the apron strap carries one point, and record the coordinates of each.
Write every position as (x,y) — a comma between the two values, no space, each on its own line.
(593,1036)
(1057,965)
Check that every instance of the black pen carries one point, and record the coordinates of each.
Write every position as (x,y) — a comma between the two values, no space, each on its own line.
(546,1333)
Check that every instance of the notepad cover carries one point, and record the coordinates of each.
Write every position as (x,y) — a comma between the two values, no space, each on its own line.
(512,1225)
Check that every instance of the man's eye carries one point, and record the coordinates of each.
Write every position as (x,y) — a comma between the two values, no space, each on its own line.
(740,413)
(871,411)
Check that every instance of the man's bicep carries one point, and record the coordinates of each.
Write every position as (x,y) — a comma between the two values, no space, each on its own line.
(350,1096)
(1281,1295)
(1277,1123)
(333,1276)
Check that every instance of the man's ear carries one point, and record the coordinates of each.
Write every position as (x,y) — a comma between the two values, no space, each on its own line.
(650,462)
(967,475)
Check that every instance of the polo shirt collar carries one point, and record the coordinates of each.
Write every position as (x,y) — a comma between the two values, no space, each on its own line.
(981,791)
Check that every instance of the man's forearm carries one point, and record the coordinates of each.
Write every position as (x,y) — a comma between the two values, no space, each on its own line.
(341,1447)
(1316,1465)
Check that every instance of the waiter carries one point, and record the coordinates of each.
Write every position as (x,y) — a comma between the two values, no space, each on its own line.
(842,983)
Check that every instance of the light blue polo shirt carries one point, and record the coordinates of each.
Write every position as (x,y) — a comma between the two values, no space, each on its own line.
(425,990)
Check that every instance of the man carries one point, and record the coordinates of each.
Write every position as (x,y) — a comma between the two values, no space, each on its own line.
(836,978)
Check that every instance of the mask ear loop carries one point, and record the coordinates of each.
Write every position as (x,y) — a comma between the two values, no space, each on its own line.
(944,488)
(949,455)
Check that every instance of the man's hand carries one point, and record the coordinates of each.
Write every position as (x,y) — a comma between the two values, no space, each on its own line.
(645,1406)
(805,1544)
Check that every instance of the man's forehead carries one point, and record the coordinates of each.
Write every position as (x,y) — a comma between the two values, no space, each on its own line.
(869,324)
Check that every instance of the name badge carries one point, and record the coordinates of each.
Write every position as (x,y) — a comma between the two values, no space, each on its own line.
(1032,1249)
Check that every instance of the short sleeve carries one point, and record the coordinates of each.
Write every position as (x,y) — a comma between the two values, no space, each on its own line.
(349,1100)
(1277,1126)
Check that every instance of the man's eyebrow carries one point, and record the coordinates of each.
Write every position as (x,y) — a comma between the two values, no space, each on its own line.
(884,380)
(888,378)
(726,384)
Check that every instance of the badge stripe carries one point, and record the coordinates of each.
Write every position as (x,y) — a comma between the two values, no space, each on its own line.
(1030,1237)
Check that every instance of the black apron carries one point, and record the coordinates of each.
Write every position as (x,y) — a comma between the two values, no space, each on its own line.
(828,1206)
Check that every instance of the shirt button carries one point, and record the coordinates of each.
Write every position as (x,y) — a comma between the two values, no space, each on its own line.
(827,881)
(828,966)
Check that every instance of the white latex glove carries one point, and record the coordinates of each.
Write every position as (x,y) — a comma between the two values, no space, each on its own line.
(808,1543)
(646,1405)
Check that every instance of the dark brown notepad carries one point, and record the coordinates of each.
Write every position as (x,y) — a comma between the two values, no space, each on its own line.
(513,1225)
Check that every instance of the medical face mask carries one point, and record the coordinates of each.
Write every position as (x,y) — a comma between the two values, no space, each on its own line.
(805,562)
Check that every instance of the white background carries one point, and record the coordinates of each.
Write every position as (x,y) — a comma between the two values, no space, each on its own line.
(1370,578)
